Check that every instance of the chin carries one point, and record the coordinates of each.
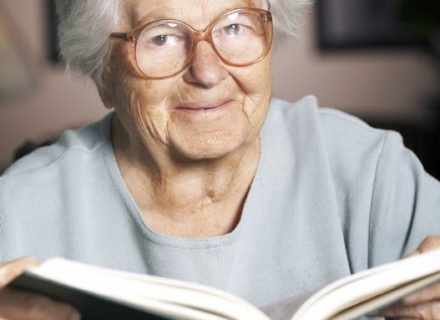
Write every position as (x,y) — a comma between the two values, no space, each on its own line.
(209,147)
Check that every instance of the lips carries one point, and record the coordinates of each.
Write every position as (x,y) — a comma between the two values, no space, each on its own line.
(202,106)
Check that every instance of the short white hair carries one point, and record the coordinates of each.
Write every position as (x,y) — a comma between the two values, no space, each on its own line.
(85,25)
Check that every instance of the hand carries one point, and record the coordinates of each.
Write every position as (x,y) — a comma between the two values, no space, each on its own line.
(20,305)
(424,304)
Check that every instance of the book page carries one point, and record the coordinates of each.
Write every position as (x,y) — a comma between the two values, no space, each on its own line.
(386,298)
(166,296)
(354,290)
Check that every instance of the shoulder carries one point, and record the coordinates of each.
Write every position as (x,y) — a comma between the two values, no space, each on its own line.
(367,181)
(305,122)
(47,169)
(71,144)
(343,149)
(307,113)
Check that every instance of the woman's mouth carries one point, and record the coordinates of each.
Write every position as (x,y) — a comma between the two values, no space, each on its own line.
(202,106)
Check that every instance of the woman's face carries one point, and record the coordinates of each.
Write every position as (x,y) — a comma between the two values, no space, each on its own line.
(208,110)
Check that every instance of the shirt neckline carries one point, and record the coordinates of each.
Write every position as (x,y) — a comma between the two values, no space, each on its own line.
(164,239)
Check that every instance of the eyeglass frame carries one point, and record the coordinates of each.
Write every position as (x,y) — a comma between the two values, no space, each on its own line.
(197,36)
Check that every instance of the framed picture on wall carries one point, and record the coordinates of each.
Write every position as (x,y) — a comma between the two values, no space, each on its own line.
(348,24)
(53,52)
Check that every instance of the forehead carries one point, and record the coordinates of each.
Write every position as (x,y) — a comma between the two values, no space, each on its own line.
(198,13)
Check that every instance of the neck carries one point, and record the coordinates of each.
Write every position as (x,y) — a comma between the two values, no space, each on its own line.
(186,198)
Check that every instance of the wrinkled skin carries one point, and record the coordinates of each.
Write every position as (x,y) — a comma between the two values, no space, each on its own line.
(188,145)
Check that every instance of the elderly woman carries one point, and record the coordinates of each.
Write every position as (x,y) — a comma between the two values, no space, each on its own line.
(199,174)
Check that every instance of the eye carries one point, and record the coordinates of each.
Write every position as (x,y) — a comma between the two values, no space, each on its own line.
(164,39)
(162,35)
(233,29)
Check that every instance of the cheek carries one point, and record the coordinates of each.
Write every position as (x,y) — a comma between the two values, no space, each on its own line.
(256,83)
(142,105)
(148,106)
(255,80)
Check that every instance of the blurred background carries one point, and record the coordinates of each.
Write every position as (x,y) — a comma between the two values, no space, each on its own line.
(376,59)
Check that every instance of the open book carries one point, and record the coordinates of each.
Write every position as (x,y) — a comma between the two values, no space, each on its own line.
(100,293)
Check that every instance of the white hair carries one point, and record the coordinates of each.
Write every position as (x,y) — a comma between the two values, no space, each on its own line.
(85,26)
(287,15)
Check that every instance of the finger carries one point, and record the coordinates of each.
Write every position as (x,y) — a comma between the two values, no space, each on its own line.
(428,244)
(16,304)
(427,310)
(377,314)
(10,270)
(428,294)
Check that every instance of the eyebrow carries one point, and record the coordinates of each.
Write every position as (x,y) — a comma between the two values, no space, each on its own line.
(154,15)
(150,18)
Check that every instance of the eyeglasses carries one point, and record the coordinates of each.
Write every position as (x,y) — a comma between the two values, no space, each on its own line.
(163,48)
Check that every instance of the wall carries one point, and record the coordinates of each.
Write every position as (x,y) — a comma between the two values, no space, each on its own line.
(58,100)
(390,84)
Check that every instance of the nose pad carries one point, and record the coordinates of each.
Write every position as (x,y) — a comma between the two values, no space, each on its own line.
(206,68)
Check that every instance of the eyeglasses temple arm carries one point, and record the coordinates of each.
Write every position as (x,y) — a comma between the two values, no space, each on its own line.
(121,36)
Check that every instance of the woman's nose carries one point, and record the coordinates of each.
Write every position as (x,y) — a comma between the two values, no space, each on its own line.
(206,68)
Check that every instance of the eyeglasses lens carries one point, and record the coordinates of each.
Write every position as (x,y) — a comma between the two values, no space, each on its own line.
(239,38)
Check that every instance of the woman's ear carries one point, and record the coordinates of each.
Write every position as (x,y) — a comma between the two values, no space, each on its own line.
(105,97)
(104,87)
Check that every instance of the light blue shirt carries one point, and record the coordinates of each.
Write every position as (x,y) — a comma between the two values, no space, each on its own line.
(331,196)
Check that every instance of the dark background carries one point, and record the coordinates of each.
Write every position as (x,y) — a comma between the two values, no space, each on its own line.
(360,25)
